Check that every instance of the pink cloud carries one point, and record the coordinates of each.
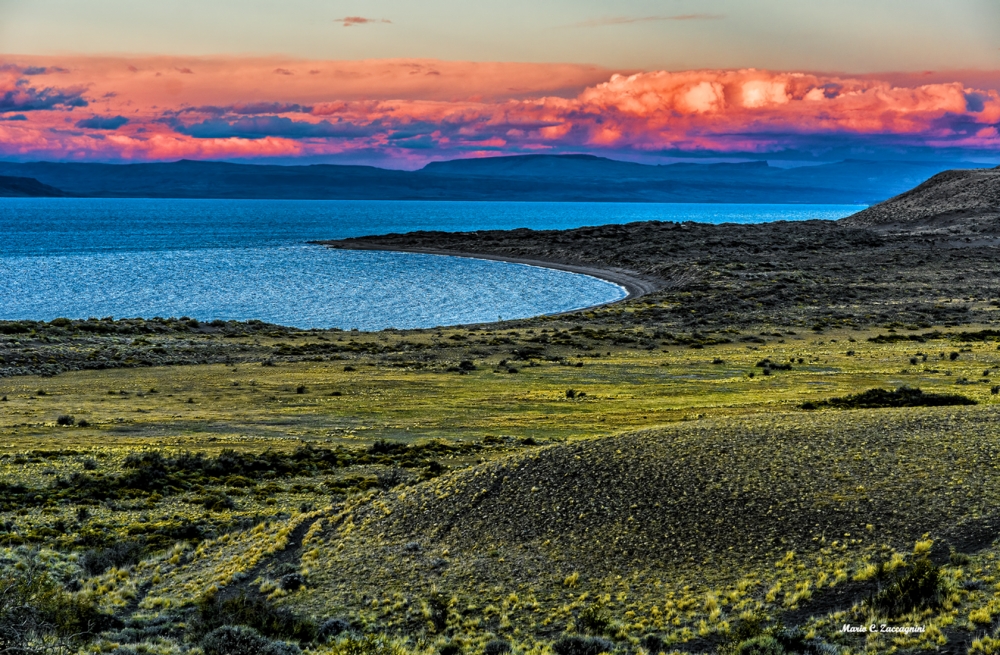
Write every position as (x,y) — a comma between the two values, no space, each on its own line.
(349,21)
(18,92)
(411,111)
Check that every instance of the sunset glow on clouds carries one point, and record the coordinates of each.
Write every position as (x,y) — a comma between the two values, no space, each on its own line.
(403,113)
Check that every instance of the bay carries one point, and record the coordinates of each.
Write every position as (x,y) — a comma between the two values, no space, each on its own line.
(249,259)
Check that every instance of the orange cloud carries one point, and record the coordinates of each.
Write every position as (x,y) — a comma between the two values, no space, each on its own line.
(349,21)
(406,112)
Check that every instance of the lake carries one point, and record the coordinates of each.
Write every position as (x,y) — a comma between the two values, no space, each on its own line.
(249,259)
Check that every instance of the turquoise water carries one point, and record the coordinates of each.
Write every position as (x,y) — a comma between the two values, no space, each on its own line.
(248,259)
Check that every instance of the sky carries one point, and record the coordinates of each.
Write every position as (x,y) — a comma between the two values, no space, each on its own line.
(398,84)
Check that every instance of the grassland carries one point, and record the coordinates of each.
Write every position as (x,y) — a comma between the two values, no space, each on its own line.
(703,469)
(516,385)
(710,499)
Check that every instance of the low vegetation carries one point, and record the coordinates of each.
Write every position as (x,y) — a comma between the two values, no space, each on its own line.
(662,499)
(633,479)
(901,397)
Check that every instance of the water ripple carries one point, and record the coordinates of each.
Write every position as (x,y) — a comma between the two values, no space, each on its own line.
(301,286)
(244,259)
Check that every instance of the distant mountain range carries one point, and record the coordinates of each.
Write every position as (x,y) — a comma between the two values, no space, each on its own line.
(520,178)
(26,187)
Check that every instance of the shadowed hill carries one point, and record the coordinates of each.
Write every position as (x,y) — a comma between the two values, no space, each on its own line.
(588,167)
(27,187)
(521,178)
(717,497)
(947,197)
(806,273)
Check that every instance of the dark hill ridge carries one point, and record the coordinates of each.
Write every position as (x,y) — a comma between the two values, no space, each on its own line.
(948,198)
(520,178)
(582,166)
(680,503)
(799,273)
(27,187)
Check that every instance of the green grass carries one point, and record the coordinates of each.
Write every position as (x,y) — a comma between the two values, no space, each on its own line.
(257,406)
(709,418)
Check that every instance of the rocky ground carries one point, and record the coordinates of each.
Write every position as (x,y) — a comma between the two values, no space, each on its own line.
(811,274)
(953,201)
(40,348)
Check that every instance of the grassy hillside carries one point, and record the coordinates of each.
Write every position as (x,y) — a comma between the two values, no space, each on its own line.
(451,488)
(794,431)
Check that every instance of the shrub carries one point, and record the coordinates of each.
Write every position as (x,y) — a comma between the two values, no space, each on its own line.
(901,397)
(292,581)
(34,609)
(768,365)
(242,640)
(256,612)
(752,637)
(451,648)
(125,553)
(914,587)
(438,606)
(65,419)
(300,389)
(497,647)
(653,644)
(14,328)
(332,628)
(956,558)
(144,460)
(217,502)
(760,645)
(367,645)
(125,650)
(383,447)
(575,645)
(595,620)
(284,648)
(392,478)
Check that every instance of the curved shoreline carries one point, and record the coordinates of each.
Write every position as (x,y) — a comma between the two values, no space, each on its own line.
(635,286)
